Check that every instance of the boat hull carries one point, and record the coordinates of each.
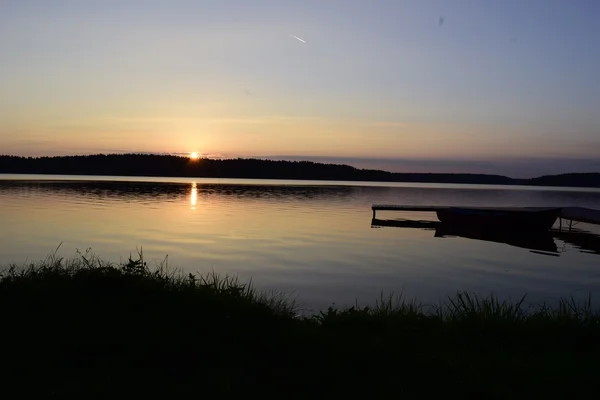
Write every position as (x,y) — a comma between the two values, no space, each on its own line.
(523,220)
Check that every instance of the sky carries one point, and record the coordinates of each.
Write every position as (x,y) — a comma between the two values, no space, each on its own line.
(509,87)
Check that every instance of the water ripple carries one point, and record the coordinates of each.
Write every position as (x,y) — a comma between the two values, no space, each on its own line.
(315,239)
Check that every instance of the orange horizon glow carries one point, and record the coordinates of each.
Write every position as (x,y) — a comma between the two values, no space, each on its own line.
(397,86)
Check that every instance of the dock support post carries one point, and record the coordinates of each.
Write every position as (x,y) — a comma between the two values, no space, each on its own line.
(374,213)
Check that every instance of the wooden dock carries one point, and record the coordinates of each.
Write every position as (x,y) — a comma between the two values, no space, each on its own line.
(580,214)
(570,214)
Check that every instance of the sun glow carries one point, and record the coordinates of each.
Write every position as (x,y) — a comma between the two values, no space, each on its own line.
(194,156)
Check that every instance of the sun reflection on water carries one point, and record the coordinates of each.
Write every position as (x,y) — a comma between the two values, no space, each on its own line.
(194,196)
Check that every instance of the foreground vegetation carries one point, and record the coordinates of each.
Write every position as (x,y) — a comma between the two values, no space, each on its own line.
(87,328)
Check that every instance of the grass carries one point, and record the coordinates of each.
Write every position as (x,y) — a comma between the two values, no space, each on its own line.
(83,327)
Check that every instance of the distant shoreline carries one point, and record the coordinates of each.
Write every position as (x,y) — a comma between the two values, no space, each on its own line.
(139,165)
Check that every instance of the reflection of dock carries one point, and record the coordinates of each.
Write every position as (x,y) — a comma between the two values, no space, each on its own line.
(569,214)
(543,241)
(537,241)
(585,241)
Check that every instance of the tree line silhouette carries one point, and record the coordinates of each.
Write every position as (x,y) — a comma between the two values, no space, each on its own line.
(177,166)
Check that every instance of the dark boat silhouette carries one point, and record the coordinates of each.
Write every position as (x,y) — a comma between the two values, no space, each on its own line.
(517,219)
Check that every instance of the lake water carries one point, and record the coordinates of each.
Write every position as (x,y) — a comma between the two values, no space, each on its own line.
(313,239)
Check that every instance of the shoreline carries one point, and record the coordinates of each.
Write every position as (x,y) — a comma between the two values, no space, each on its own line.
(253,168)
(84,326)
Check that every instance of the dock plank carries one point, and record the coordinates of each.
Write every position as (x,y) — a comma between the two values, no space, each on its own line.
(580,214)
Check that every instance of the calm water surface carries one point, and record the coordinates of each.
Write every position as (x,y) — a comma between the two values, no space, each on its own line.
(315,239)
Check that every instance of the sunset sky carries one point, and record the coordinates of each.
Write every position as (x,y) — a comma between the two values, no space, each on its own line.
(507,86)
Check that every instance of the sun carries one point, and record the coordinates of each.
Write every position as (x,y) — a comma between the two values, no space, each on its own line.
(194,156)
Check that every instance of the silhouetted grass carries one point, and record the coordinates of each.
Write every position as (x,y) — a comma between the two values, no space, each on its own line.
(89,328)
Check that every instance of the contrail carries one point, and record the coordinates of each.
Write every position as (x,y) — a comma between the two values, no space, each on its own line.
(296,37)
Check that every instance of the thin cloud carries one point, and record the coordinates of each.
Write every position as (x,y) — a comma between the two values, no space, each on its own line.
(296,37)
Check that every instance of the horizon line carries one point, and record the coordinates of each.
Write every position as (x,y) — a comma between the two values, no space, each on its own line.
(300,159)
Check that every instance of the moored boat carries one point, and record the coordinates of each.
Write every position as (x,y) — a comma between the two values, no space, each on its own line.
(522,219)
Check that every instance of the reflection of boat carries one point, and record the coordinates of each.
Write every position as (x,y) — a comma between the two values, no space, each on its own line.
(537,241)
(529,219)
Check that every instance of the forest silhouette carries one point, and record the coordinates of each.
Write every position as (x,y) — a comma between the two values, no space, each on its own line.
(178,166)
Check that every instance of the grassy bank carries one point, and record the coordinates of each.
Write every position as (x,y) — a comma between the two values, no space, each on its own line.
(84,327)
